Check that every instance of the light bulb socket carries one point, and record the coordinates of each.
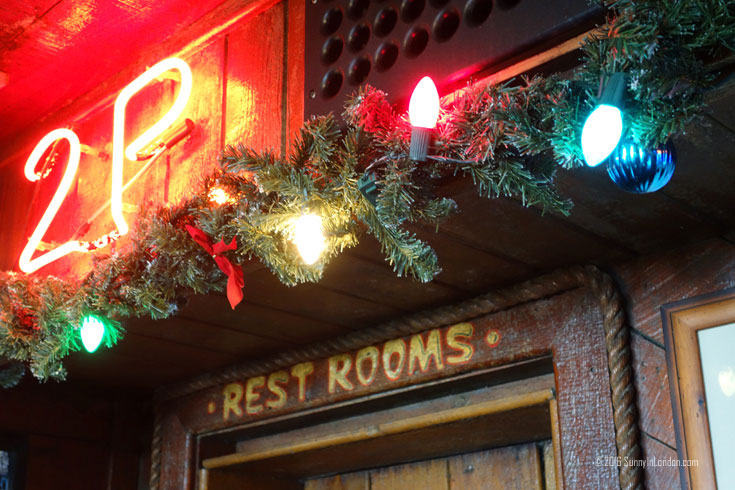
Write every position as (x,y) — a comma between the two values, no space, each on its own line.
(614,91)
(368,187)
(167,139)
(420,139)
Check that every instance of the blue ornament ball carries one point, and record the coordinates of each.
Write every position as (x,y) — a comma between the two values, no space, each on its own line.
(641,170)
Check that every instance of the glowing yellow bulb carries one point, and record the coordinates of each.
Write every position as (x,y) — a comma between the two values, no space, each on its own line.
(218,196)
(309,237)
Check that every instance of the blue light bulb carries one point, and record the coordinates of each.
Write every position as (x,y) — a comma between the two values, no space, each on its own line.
(601,133)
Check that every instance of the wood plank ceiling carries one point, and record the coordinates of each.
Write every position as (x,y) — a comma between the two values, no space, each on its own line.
(489,244)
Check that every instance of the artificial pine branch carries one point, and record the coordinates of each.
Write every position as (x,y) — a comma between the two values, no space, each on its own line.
(509,139)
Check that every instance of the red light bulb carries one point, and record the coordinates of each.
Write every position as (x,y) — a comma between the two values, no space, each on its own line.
(423,109)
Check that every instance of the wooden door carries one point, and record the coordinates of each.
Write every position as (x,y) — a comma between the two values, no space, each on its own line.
(522,467)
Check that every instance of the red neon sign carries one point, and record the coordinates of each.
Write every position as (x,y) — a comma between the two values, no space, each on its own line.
(26,262)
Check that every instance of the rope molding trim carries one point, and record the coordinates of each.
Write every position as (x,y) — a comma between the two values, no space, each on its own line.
(617,337)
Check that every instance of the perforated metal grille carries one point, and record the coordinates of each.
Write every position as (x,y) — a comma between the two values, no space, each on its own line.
(391,44)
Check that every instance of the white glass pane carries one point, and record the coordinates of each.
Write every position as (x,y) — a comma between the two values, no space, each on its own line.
(717,351)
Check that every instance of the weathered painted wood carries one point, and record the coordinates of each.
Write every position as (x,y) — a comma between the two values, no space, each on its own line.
(652,387)
(580,365)
(651,282)
(660,475)
(509,468)
(176,467)
(585,412)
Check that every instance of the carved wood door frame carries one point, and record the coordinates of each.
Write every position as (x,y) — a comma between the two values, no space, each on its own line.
(574,315)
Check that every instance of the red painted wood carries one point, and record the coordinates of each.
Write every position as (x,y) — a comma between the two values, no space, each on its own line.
(80,42)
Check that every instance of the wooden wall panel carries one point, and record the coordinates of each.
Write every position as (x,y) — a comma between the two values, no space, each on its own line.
(255,69)
(77,438)
(295,36)
(65,464)
(197,155)
(16,194)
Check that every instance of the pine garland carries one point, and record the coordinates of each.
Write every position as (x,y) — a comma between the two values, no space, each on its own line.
(509,139)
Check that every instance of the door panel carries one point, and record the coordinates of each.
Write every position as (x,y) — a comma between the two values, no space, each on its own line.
(348,481)
(512,468)
(426,475)
(519,467)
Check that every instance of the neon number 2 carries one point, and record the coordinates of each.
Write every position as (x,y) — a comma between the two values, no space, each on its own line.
(28,264)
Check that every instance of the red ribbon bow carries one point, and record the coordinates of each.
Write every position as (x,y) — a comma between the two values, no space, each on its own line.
(236,278)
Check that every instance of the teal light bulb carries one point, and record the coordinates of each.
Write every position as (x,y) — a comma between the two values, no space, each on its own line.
(601,133)
(92,331)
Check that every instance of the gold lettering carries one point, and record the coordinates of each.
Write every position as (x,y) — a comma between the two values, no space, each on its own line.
(372,355)
(339,367)
(391,348)
(423,353)
(233,397)
(464,348)
(275,380)
(301,371)
(251,396)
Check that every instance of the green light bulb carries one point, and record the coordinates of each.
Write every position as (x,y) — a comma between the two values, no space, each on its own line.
(92,332)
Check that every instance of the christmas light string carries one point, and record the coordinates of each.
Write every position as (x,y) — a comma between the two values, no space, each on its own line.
(488,134)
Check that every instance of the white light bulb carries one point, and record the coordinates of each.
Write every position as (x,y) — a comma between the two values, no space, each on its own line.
(423,108)
(92,332)
(601,133)
(309,237)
